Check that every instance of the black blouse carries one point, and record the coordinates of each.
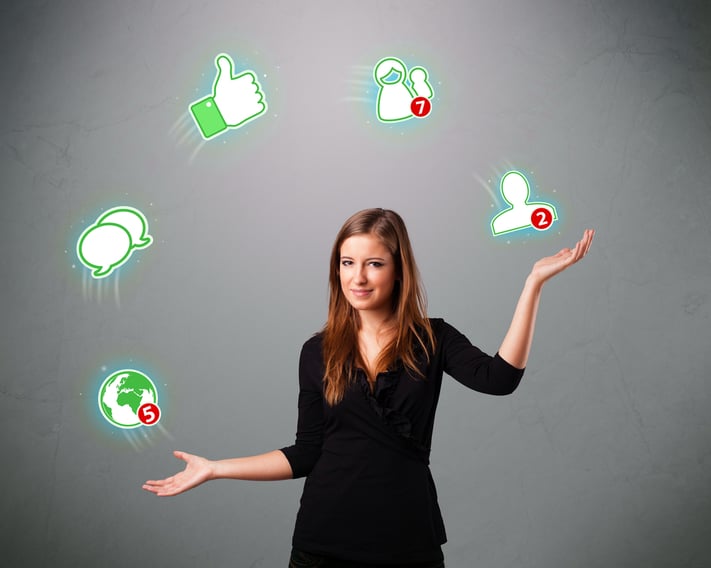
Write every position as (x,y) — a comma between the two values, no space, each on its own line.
(369,495)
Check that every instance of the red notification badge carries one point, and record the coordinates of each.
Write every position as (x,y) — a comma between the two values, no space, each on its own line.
(420,107)
(541,218)
(149,414)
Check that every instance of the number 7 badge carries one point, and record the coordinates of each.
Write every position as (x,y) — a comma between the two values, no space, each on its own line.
(522,214)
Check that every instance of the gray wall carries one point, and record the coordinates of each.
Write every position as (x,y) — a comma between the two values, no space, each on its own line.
(601,458)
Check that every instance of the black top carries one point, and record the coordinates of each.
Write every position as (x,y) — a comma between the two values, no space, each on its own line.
(369,495)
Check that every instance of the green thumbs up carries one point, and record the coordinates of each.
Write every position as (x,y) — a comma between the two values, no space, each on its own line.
(235,100)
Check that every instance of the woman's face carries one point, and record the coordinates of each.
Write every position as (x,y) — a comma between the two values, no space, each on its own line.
(367,273)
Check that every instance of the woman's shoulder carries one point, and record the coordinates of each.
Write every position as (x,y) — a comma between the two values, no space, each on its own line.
(311,355)
(439,326)
(314,343)
(444,332)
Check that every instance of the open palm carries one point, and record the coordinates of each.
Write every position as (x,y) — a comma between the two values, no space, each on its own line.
(551,265)
(197,470)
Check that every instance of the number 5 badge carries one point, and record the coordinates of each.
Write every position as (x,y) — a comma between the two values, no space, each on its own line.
(522,214)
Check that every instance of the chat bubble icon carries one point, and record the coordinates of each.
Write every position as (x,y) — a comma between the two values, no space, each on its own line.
(103,248)
(132,220)
(109,242)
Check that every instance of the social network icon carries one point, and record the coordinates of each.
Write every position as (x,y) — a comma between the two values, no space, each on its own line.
(128,398)
(110,241)
(522,213)
(395,95)
(235,100)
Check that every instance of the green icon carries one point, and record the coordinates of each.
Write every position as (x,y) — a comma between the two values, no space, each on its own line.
(398,99)
(522,214)
(109,242)
(122,396)
(234,100)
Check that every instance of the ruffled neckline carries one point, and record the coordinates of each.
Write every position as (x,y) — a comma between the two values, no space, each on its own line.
(380,397)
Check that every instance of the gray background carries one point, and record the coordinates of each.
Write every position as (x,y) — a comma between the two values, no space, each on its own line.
(601,458)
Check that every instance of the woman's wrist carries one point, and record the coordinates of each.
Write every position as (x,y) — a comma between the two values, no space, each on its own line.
(533,284)
(215,470)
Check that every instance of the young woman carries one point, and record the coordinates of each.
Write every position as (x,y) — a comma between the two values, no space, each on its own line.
(369,385)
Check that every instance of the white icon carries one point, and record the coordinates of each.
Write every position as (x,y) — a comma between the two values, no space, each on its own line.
(109,242)
(418,77)
(235,100)
(522,214)
(396,95)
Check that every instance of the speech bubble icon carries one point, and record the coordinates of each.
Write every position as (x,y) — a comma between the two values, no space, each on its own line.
(130,219)
(104,247)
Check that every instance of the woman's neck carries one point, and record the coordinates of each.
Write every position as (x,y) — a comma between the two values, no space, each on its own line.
(374,324)
(375,333)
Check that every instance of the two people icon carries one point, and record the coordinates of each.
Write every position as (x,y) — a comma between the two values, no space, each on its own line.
(522,214)
(398,100)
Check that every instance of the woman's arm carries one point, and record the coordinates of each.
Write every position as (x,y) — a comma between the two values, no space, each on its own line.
(517,343)
(287,463)
(271,466)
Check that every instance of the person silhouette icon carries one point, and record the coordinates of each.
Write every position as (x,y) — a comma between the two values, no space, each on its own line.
(522,214)
(395,95)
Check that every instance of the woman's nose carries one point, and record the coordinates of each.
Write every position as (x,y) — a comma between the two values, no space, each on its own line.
(360,274)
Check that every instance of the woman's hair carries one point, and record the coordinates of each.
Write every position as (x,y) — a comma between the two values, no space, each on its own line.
(340,334)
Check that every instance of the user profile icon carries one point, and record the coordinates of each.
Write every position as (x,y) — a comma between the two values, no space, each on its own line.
(522,213)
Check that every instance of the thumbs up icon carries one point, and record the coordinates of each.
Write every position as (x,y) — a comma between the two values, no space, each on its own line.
(235,100)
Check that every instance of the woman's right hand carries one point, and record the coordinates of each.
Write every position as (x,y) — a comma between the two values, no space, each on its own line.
(197,471)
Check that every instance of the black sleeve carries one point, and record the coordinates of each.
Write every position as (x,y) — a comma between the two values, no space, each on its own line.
(302,456)
(474,368)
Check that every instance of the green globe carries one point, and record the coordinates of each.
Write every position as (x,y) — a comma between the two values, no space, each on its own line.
(122,394)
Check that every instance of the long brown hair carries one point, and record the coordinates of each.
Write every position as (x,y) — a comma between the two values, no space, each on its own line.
(340,334)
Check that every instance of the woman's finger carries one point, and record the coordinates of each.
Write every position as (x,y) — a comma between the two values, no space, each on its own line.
(591,234)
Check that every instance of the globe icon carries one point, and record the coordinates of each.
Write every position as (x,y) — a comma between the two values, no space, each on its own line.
(122,394)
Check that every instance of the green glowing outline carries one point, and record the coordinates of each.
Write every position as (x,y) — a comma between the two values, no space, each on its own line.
(403,78)
(526,202)
(206,113)
(101,404)
(145,240)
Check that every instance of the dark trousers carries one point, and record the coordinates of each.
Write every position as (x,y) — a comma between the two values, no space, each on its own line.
(301,559)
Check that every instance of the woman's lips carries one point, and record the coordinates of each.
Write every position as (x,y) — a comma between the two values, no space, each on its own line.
(360,293)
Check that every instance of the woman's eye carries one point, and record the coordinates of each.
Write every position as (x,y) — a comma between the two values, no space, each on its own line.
(346,262)
(376,264)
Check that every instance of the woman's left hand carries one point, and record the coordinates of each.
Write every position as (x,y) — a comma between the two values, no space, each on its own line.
(549,266)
